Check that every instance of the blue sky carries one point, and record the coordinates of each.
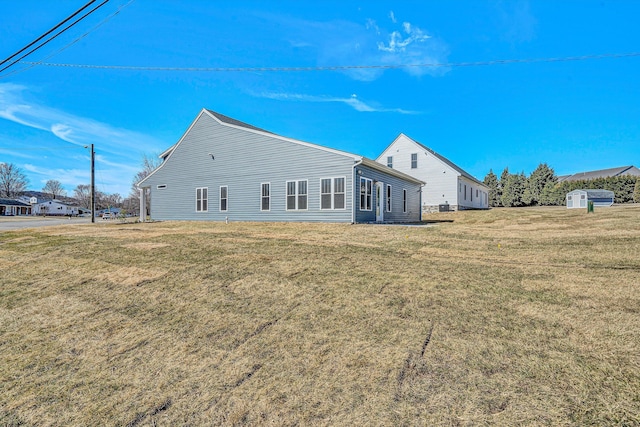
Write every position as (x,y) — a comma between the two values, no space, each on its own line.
(573,115)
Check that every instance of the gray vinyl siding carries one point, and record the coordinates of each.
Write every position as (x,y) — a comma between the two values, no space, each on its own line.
(397,185)
(243,160)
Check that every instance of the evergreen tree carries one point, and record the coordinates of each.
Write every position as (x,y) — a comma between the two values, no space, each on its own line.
(513,190)
(636,191)
(538,179)
(491,181)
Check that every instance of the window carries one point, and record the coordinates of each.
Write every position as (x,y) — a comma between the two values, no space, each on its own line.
(471,191)
(161,186)
(465,191)
(332,194)
(265,203)
(366,186)
(414,160)
(476,193)
(202,199)
(224,190)
(390,161)
(296,195)
(388,198)
(404,200)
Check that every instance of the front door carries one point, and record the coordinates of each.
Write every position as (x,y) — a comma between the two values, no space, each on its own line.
(379,202)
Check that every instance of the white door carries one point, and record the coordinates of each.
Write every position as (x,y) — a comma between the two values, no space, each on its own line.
(379,202)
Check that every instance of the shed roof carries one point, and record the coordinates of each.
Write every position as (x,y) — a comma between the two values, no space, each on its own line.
(596,193)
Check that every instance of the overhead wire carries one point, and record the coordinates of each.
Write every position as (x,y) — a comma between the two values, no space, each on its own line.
(54,36)
(340,67)
(48,32)
(68,45)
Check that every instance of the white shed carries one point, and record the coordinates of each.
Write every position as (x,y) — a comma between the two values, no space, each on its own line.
(579,198)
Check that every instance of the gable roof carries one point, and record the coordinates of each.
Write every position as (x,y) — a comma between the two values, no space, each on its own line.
(602,173)
(231,122)
(12,202)
(441,158)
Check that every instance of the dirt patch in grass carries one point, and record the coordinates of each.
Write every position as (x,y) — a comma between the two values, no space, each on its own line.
(501,317)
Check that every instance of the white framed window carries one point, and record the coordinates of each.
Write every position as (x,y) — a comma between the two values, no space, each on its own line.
(265,198)
(224,198)
(332,193)
(202,199)
(161,186)
(390,161)
(389,198)
(297,195)
(414,160)
(465,191)
(366,190)
(404,200)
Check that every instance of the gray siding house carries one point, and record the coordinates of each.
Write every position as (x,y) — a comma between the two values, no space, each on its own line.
(224,169)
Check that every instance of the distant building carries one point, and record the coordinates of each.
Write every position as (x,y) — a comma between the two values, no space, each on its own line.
(11,207)
(603,173)
(447,184)
(580,198)
(55,208)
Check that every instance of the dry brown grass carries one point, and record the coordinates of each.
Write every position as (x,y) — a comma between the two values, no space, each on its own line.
(504,317)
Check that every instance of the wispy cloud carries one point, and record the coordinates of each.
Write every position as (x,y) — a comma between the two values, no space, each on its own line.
(352,101)
(343,43)
(117,149)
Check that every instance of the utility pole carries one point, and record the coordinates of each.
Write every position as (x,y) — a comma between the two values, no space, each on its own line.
(93,185)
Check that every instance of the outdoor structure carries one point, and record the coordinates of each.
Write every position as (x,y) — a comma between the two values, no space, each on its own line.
(603,173)
(580,198)
(223,169)
(448,187)
(11,207)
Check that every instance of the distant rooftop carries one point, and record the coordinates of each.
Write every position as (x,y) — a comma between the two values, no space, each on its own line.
(602,173)
(231,121)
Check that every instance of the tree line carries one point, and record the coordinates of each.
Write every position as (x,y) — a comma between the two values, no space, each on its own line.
(542,188)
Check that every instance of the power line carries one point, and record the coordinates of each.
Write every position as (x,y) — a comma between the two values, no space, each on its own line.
(55,35)
(341,67)
(100,24)
(48,32)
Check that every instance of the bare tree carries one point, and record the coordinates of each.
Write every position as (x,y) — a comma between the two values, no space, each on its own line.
(112,200)
(82,193)
(12,180)
(149,164)
(54,188)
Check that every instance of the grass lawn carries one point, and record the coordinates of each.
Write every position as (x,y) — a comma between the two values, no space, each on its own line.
(502,317)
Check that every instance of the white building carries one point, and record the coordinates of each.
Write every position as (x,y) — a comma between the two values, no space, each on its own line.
(580,198)
(55,208)
(446,183)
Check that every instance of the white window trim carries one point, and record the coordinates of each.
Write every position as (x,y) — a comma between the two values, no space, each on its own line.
(297,195)
(414,154)
(226,198)
(202,198)
(389,198)
(390,162)
(360,194)
(268,197)
(333,193)
(405,201)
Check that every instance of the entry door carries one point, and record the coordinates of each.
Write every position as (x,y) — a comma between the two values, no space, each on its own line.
(379,203)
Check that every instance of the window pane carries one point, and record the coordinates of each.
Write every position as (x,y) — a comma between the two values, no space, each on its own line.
(302,202)
(204,194)
(302,187)
(223,204)
(291,188)
(291,202)
(339,185)
(338,201)
(325,201)
(390,161)
(198,205)
(223,192)
(325,186)
(204,205)
(265,190)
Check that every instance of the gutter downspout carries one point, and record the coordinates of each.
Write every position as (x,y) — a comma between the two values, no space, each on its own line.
(353,196)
